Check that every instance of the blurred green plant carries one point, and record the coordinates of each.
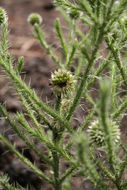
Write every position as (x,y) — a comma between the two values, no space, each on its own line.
(98,55)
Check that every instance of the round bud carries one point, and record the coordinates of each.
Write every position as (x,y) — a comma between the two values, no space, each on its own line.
(96,134)
(3,16)
(62,82)
(34,18)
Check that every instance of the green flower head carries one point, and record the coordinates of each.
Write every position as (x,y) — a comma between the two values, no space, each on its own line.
(96,134)
(3,16)
(62,82)
(34,18)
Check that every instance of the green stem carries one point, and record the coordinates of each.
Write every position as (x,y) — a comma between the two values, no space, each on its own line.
(118,185)
(20,84)
(24,159)
(4,181)
(55,154)
(122,167)
(116,55)
(102,167)
(85,75)
(44,44)
(88,119)
(67,173)
(61,37)
(120,110)
(22,135)
(56,168)
(49,144)
(104,114)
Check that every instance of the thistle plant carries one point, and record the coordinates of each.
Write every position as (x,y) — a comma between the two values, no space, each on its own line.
(96,133)
(96,49)
(63,83)
(34,18)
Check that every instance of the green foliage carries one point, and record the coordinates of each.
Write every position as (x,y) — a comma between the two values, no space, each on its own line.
(98,56)
(4,183)
(3,16)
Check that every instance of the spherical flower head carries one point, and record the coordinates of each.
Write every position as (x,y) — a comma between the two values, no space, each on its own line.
(62,82)
(35,18)
(3,16)
(96,134)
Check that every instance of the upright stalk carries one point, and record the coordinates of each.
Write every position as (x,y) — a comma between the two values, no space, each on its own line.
(56,164)
(55,154)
